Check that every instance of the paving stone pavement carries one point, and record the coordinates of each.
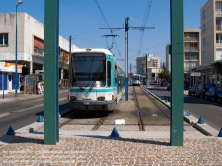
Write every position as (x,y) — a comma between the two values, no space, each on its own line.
(92,150)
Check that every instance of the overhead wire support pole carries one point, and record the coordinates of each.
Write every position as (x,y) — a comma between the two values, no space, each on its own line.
(126,49)
(126,57)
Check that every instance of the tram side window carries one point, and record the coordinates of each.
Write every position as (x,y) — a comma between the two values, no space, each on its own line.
(116,81)
(109,73)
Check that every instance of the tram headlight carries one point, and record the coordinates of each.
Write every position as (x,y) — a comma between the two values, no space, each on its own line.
(101,98)
(73,97)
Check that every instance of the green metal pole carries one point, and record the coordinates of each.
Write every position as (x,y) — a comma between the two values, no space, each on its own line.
(177,72)
(51,33)
(126,57)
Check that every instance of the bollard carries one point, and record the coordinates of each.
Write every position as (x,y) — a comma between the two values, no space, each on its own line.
(187,113)
(40,119)
(201,120)
(220,133)
(114,133)
(11,131)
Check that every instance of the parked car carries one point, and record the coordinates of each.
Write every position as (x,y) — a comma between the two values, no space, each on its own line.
(165,83)
(212,93)
(219,98)
(202,89)
(192,90)
(168,86)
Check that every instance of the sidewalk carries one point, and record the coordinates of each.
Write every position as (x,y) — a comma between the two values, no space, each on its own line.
(21,96)
(11,97)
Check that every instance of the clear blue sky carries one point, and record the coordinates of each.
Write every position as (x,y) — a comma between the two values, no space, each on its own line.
(83,20)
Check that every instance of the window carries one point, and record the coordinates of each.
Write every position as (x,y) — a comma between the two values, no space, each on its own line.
(218,24)
(116,81)
(204,56)
(193,46)
(219,38)
(3,39)
(109,73)
(203,15)
(219,7)
(204,42)
(203,28)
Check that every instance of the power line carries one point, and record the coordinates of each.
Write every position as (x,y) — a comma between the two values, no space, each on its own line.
(145,18)
(100,9)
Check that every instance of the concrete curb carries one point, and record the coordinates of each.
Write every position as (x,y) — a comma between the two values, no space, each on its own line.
(24,96)
(36,126)
(204,128)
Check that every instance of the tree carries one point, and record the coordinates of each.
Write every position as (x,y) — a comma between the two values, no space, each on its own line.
(164,75)
(217,66)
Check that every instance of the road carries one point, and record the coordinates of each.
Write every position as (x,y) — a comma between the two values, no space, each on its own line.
(24,112)
(211,112)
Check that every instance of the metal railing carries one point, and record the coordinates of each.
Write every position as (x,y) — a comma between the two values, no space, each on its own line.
(218,11)
(38,52)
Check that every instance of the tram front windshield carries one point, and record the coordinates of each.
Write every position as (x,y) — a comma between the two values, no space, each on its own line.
(88,70)
(135,78)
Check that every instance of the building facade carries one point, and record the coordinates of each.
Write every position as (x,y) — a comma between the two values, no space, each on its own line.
(211,37)
(192,54)
(30,46)
(153,66)
(140,64)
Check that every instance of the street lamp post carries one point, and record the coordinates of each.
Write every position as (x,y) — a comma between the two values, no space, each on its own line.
(16,50)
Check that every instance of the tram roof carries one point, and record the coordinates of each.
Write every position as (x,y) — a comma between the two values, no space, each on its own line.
(92,50)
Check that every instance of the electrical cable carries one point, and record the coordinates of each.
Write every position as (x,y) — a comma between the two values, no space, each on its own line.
(100,9)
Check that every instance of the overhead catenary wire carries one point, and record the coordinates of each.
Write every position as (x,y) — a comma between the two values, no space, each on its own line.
(111,31)
(145,19)
(100,9)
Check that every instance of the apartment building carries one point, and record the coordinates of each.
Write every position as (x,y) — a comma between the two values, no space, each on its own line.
(192,54)
(153,65)
(192,51)
(211,37)
(139,64)
(30,52)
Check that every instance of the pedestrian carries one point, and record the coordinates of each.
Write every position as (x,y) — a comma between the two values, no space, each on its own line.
(39,88)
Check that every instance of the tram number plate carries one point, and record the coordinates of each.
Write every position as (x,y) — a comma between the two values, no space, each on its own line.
(86,103)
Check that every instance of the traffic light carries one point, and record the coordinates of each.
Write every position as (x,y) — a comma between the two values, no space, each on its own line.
(153,75)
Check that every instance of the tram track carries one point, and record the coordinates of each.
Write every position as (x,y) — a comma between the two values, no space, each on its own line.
(140,122)
(162,107)
(150,110)
(139,113)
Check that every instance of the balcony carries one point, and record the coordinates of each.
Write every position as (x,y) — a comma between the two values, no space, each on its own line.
(192,49)
(192,58)
(191,39)
(38,52)
(219,27)
(219,11)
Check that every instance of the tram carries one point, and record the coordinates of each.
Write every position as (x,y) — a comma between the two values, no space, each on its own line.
(96,81)
(136,79)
